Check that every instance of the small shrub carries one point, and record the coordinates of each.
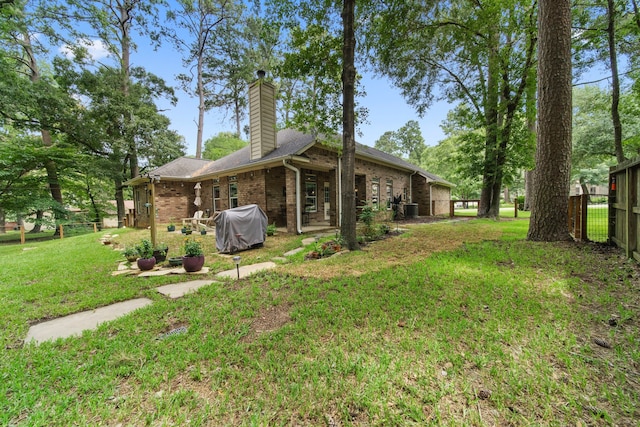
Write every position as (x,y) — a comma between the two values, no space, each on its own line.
(145,248)
(271,229)
(192,247)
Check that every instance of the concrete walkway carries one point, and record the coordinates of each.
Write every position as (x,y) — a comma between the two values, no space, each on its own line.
(75,324)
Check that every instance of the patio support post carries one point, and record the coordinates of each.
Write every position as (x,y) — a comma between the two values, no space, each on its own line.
(298,204)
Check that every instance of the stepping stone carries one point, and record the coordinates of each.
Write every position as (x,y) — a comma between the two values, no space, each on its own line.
(181,270)
(75,324)
(293,251)
(124,272)
(246,270)
(151,273)
(178,290)
(308,241)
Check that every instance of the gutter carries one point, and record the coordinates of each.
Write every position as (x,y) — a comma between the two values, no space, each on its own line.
(298,204)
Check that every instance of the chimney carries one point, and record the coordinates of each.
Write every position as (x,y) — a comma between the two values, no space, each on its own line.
(262,117)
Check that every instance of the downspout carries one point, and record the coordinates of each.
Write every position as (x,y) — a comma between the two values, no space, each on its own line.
(298,210)
(339,191)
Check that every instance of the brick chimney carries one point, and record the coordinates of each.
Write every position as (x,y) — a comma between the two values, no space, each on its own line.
(262,117)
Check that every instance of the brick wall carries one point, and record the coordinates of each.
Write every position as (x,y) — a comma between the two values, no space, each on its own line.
(273,189)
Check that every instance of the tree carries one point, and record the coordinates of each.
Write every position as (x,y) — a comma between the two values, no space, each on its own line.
(222,144)
(27,98)
(328,84)
(606,31)
(553,152)
(406,142)
(199,19)
(115,22)
(481,53)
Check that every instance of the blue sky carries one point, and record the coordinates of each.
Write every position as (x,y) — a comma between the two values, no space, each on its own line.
(387,109)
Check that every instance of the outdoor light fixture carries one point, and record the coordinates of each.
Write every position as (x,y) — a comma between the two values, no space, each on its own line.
(236,259)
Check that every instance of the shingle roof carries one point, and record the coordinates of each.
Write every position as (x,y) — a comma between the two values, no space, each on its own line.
(290,142)
(182,167)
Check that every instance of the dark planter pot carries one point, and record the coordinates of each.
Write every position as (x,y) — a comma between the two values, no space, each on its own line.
(159,256)
(183,230)
(145,264)
(171,228)
(175,261)
(203,232)
(192,263)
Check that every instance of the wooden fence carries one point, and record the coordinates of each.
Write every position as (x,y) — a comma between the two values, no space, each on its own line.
(624,206)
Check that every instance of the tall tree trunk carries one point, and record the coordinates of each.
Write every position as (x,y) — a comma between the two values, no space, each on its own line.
(3,221)
(615,81)
(119,196)
(37,226)
(125,47)
(238,112)
(553,155)
(486,208)
(201,108)
(50,165)
(348,227)
(528,190)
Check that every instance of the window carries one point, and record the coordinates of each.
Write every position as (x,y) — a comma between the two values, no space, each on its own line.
(233,195)
(389,193)
(311,198)
(327,193)
(216,198)
(375,194)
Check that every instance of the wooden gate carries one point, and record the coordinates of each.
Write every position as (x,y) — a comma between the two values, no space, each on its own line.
(624,206)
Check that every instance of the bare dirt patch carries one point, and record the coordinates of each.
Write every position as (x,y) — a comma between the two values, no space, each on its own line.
(269,319)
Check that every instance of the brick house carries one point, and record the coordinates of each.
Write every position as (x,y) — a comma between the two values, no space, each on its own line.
(294,177)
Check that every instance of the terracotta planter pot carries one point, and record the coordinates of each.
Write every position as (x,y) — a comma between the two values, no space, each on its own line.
(192,263)
(145,264)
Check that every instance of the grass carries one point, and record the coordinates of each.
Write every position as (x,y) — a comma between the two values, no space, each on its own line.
(506,211)
(460,323)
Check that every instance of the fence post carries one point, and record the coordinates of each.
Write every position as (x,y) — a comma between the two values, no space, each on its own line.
(570,217)
(515,208)
(95,227)
(61,232)
(451,208)
(583,216)
(22,237)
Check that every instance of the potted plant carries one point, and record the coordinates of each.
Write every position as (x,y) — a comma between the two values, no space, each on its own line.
(171,226)
(130,253)
(187,230)
(271,229)
(193,258)
(145,252)
(203,230)
(160,252)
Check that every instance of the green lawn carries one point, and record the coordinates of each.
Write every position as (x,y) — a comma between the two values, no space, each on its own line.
(457,323)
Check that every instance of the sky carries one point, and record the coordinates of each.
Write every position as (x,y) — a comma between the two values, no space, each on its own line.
(387,109)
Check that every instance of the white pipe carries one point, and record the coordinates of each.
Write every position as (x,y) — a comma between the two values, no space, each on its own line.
(339,191)
(298,204)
